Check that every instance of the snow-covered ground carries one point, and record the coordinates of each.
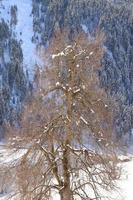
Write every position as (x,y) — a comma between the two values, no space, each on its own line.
(23,30)
(125,184)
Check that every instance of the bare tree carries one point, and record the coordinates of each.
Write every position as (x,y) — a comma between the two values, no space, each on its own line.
(66,128)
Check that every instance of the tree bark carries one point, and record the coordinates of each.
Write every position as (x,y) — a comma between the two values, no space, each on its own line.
(66,193)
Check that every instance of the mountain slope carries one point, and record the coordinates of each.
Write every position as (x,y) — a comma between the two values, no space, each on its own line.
(29,24)
(115,19)
(17,58)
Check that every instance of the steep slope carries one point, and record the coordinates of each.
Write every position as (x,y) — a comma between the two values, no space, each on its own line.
(114,17)
(28,24)
(17,57)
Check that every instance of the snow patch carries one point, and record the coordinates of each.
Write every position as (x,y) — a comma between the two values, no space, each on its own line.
(23,30)
(84,28)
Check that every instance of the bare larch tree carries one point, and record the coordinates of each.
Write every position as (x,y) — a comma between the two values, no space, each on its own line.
(66,129)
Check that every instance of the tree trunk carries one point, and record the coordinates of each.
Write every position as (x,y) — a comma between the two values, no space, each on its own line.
(66,193)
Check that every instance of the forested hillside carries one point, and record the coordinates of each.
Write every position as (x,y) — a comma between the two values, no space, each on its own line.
(114,18)
(12,79)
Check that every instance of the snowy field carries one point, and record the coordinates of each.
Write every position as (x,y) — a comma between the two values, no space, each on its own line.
(125,184)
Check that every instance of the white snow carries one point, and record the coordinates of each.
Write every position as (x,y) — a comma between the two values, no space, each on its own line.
(84,28)
(25,25)
(91,53)
(83,119)
(57,84)
(5,11)
(125,184)
(23,31)
(76,91)
(92,111)
(83,87)
(57,55)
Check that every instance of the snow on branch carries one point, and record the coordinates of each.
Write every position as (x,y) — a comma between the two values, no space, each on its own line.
(58,54)
(84,120)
